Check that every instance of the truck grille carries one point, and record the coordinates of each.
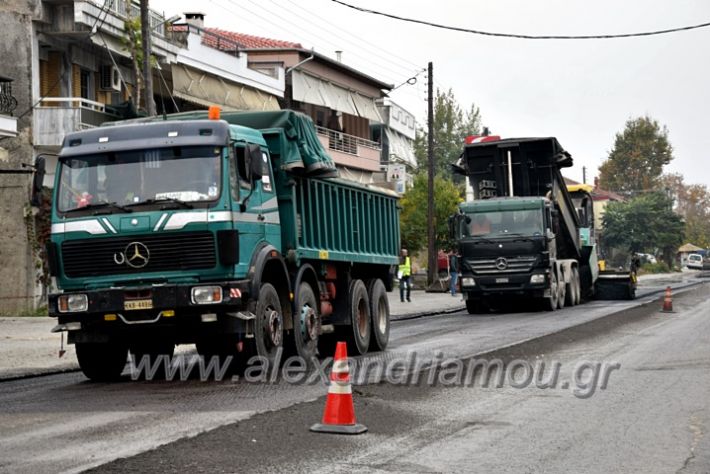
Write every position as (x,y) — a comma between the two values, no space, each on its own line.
(180,251)
(513,265)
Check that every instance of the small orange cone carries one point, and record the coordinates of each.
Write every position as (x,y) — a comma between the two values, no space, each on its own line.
(667,301)
(339,413)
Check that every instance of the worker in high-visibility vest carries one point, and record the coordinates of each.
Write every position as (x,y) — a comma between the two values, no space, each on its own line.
(404,274)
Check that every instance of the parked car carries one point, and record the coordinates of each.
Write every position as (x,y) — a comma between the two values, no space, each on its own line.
(695,260)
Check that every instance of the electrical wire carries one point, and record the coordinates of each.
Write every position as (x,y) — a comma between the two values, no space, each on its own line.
(270,20)
(391,58)
(521,36)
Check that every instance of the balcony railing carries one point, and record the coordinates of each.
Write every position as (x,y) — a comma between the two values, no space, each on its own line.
(57,116)
(120,8)
(349,150)
(8,103)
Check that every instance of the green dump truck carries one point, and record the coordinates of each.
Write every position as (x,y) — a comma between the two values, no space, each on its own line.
(234,234)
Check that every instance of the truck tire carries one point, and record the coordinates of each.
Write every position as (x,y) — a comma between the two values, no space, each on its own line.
(268,324)
(102,362)
(380,312)
(360,320)
(474,306)
(306,323)
(160,354)
(571,290)
(550,302)
(561,293)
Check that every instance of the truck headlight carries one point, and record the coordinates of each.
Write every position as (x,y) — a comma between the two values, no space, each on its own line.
(537,278)
(206,294)
(72,303)
(468,281)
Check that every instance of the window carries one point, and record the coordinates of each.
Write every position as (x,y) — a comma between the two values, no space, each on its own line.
(242,174)
(85,84)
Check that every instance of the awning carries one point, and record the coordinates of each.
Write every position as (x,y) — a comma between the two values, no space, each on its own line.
(366,107)
(312,90)
(203,89)
(400,148)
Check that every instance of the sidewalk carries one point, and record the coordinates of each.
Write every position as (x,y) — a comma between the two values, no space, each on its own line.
(423,303)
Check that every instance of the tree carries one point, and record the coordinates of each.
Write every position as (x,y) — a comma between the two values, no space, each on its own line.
(451,126)
(645,223)
(692,203)
(636,162)
(132,42)
(413,218)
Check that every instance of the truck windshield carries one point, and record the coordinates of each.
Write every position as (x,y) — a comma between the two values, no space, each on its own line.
(177,174)
(500,223)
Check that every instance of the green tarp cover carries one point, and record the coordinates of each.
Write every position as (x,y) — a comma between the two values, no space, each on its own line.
(301,147)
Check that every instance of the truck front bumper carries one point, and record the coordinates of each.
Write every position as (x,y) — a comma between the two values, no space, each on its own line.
(145,309)
(509,284)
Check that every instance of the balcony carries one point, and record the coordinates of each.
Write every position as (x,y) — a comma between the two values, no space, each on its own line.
(351,151)
(8,104)
(57,116)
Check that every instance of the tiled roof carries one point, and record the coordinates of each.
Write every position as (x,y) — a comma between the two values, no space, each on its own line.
(246,41)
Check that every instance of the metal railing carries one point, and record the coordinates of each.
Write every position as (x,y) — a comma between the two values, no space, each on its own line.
(340,141)
(92,113)
(209,38)
(8,103)
(121,9)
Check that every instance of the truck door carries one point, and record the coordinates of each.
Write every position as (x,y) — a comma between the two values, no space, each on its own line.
(246,203)
(269,210)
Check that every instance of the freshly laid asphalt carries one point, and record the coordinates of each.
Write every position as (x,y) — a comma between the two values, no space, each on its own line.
(653,416)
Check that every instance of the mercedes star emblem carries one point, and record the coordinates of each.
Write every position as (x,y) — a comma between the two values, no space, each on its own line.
(137,255)
(501,263)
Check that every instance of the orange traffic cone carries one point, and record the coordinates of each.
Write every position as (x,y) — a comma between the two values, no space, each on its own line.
(668,301)
(339,413)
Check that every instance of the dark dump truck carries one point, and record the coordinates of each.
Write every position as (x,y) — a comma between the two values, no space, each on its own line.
(525,234)
(232,233)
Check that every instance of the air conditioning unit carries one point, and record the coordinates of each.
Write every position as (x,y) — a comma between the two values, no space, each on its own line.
(110,78)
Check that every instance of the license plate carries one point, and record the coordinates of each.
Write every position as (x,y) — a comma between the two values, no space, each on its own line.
(138,304)
(501,280)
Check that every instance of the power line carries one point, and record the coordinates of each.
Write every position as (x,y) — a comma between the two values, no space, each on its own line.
(520,36)
(325,40)
(402,61)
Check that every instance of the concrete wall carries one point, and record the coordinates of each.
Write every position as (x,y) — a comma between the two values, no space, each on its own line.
(17,268)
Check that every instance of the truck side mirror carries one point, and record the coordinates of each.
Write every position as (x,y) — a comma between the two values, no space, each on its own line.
(255,161)
(38,181)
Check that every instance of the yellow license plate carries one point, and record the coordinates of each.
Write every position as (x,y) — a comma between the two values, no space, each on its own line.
(137,304)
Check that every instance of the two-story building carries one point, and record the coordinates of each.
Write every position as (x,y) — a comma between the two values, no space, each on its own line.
(396,133)
(342,101)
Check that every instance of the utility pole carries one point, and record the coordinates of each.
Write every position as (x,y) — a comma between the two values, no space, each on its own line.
(584,175)
(147,71)
(430,157)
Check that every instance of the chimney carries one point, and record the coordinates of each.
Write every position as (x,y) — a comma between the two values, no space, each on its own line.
(197,19)
(339,56)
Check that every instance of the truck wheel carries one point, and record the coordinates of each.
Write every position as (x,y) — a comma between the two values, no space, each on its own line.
(102,362)
(550,302)
(360,322)
(577,286)
(380,312)
(562,294)
(474,306)
(158,354)
(268,325)
(571,290)
(306,323)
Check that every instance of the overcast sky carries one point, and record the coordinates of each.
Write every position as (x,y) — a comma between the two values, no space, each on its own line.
(580,91)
